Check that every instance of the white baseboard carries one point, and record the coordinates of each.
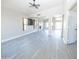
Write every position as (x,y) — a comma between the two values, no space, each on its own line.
(65,42)
(6,40)
(69,42)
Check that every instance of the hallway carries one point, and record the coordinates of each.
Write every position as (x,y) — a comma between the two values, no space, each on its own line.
(39,45)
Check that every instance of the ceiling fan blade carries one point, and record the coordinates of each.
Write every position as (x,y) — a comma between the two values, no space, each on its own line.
(36,7)
(34,0)
(30,3)
(37,4)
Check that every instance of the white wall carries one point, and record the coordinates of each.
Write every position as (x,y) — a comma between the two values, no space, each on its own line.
(68,18)
(11,24)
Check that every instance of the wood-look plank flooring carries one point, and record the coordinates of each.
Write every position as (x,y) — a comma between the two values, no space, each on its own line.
(39,45)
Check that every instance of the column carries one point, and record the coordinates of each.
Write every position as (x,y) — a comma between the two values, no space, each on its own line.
(50,25)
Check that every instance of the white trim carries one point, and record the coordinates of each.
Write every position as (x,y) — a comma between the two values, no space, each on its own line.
(5,40)
(71,42)
(68,42)
(65,42)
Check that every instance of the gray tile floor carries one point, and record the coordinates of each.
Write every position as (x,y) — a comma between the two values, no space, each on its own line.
(39,45)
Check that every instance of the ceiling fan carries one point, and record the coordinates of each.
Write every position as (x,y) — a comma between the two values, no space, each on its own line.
(34,4)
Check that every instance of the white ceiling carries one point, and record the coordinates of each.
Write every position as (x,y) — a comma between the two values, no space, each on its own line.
(23,6)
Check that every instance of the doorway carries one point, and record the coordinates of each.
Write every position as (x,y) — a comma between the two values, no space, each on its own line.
(58,25)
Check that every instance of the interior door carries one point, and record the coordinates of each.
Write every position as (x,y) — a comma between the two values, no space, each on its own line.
(72,27)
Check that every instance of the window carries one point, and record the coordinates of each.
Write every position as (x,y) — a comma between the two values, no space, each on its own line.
(58,25)
(47,25)
(25,22)
(52,23)
(59,18)
(58,22)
